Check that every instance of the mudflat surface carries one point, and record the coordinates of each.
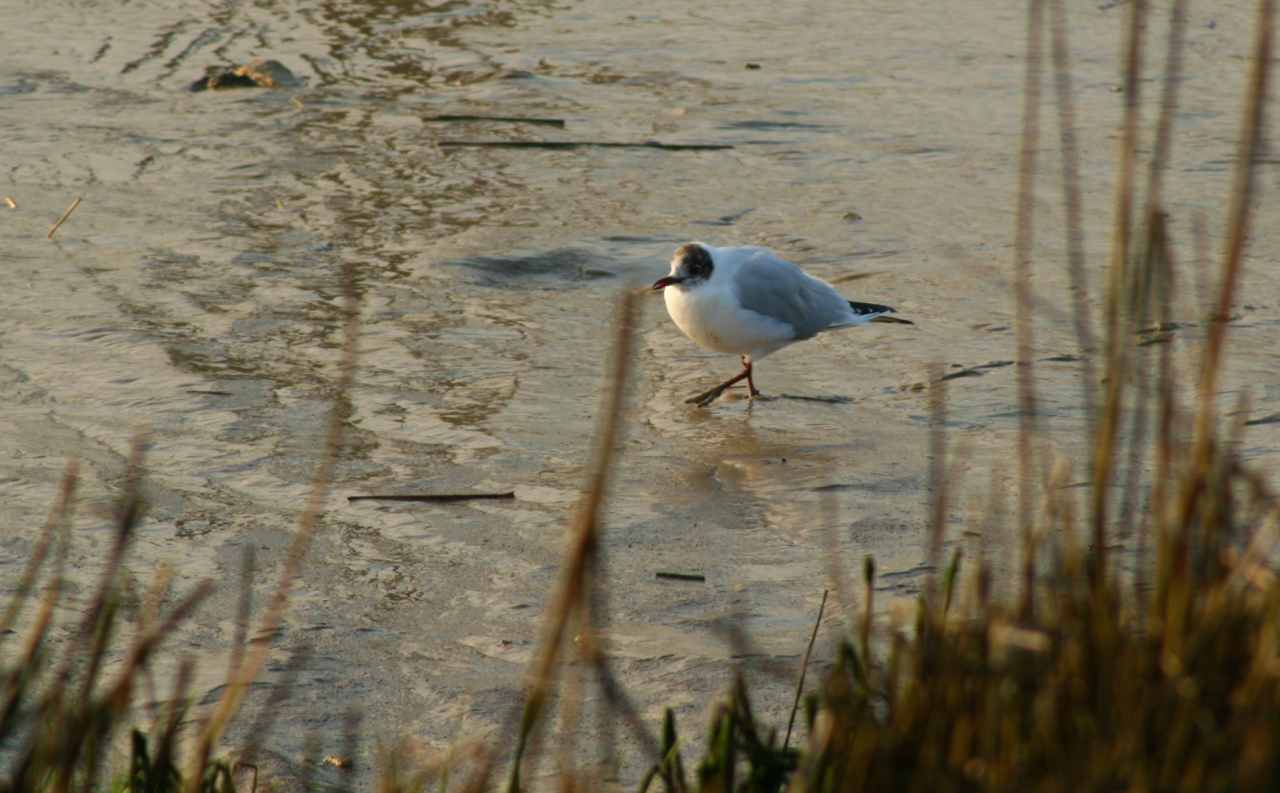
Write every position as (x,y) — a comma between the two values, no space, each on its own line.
(194,293)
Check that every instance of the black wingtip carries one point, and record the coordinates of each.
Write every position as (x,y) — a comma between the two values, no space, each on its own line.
(869,308)
(862,309)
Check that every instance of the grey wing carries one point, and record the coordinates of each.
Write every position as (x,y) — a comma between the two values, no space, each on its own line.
(779,289)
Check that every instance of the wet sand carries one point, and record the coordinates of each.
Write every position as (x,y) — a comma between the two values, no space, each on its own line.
(194,293)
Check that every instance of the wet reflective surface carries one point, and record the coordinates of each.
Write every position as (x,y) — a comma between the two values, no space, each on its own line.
(195,293)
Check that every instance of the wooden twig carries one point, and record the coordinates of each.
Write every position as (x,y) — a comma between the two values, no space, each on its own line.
(580,144)
(681,576)
(1072,201)
(835,399)
(434,497)
(64,217)
(974,371)
(1024,239)
(463,117)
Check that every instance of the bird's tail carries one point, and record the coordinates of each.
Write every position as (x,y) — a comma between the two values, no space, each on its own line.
(877,312)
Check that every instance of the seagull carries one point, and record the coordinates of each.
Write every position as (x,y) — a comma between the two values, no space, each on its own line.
(750,301)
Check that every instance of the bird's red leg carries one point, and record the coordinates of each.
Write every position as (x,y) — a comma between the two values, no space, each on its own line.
(707,397)
(746,363)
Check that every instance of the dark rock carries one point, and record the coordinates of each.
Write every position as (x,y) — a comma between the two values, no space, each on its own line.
(258,73)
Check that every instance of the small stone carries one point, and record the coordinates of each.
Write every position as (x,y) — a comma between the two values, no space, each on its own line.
(258,73)
(268,73)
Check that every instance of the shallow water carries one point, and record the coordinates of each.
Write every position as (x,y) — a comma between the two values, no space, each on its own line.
(195,293)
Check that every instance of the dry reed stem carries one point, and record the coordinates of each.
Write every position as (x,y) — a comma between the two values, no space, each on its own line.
(64,217)
(177,707)
(1196,306)
(128,512)
(57,515)
(271,709)
(618,701)
(868,608)
(1072,202)
(571,699)
(937,478)
(573,592)
(61,516)
(1118,342)
(243,607)
(835,560)
(1045,308)
(1261,545)
(594,655)
(1149,283)
(1024,240)
(151,604)
(804,669)
(1157,520)
(119,694)
(1238,217)
(1168,106)
(1141,298)
(238,686)
(44,617)
(994,532)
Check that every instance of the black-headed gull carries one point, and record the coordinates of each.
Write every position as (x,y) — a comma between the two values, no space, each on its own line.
(751,302)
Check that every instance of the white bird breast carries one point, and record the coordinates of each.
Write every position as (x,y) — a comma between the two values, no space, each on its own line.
(712,316)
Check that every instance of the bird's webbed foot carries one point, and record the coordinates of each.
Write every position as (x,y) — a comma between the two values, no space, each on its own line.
(708,396)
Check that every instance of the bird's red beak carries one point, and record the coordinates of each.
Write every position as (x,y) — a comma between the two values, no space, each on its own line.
(663,283)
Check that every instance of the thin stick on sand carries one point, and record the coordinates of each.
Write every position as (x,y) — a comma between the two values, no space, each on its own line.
(427,497)
(680,576)
(64,217)
(804,668)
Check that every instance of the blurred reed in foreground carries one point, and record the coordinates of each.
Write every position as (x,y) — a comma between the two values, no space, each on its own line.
(1168,680)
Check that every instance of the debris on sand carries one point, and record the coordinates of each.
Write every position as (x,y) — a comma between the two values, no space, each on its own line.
(257,73)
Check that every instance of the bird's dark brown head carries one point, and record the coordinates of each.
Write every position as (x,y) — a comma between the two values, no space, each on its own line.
(690,266)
